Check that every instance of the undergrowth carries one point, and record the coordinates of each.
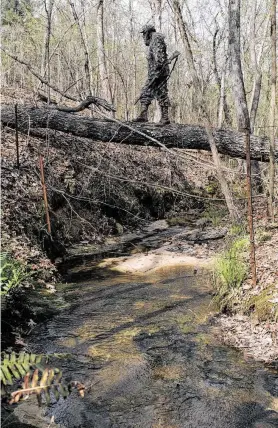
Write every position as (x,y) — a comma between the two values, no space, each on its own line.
(261,305)
(230,271)
(13,273)
(215,213)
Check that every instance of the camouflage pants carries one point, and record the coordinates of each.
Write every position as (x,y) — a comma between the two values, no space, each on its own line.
(158,91)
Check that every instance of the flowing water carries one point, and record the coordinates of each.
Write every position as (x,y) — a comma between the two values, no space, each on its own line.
(147,351)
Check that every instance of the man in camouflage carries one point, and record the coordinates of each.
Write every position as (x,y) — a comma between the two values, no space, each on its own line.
(158,73)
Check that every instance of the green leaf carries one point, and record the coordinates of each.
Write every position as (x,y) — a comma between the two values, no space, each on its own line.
(6,376)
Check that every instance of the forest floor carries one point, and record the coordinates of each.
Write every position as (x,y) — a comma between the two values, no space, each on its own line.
(97,191)
(256,334)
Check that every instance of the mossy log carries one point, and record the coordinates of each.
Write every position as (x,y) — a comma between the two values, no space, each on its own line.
(179,136)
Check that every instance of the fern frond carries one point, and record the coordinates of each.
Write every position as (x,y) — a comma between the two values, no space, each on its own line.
(38,380)
(50,380)
(15,366)
(13,273)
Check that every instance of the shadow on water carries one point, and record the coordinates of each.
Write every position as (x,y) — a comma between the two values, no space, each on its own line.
(149,356)
(255,415)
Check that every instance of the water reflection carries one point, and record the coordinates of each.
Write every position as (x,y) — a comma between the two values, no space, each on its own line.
(148,354)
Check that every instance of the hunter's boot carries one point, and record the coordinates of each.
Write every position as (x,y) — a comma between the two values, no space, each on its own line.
(164,120)
(143,116)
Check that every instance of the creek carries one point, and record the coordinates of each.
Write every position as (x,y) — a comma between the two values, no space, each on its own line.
(149,354)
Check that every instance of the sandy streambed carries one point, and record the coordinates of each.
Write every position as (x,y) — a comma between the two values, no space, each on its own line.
(147,351)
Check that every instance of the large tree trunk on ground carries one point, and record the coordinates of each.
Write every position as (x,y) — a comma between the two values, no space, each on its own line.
(228,142)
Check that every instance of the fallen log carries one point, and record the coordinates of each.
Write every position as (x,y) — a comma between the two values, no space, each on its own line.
(229,142)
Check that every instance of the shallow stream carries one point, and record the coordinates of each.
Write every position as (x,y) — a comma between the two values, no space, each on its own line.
(149,355)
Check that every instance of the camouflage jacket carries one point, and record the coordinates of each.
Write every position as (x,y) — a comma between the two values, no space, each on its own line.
(157,56)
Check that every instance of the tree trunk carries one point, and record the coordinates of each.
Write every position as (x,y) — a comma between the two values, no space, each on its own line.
(228,142)
(223,105)
(186,43)
(256,63)
(242,114)
(272,108)
(105,90)
(156,7)
(235,66)
(199,104)
(45,67)
(256,92)
(85,48)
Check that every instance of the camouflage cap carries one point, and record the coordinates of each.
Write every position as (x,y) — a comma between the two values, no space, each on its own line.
(148,29)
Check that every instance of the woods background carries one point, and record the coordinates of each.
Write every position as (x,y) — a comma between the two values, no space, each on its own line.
(86,46)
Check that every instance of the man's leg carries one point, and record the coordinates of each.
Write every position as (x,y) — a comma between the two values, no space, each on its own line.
(164,103)
(147,95)
(143,115)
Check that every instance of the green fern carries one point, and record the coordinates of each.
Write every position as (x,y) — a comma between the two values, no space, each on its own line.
(42,383)
(15,366)
(12,273)
(38,380)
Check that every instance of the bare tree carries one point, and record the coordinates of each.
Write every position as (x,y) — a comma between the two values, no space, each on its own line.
(256,65)
(103,75)
(85,48)
(272,106)
(185,40)
(220,80)
(198,88)
(156,8)
(45,68)
(256,91)
(242,112)
(134,56)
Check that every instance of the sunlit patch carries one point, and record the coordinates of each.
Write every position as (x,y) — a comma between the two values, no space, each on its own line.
(170,372)
(100,352)
(149,305)
(69,342)
(274,404)
(119,347)
(152,329)
(203,338)
(161,424)
(179,297)
(101,325)
(188,328)
(127,334)
(140,304)
(149,263)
